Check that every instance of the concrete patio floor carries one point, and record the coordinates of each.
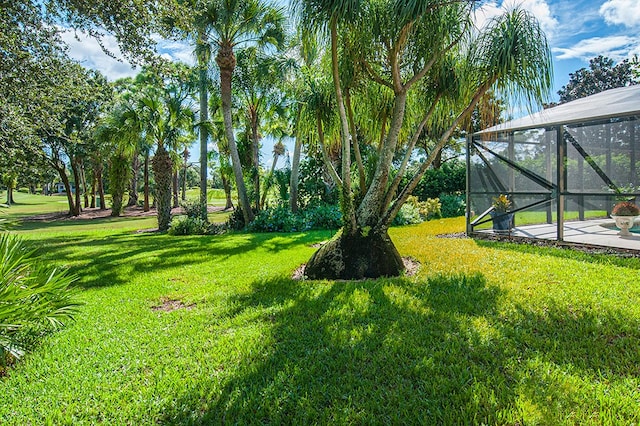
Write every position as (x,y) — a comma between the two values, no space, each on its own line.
(597,232)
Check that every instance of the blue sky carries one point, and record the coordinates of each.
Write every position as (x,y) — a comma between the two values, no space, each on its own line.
(576,31)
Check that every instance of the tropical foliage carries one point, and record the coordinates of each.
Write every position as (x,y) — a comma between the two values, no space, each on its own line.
(34,299)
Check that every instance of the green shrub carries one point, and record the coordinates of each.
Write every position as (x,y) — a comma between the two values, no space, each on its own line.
(323,216)
(277,219)
(453,205)
(281,219)
(194,209)
(409,214)
(185,225)
(34,300)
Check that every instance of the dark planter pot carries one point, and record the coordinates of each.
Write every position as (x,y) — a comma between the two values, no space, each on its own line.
(502,222)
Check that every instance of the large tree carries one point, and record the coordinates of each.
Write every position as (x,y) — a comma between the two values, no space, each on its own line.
(425,52)
(601,75)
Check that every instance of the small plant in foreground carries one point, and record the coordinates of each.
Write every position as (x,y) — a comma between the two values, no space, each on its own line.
(33,299)
(625,208)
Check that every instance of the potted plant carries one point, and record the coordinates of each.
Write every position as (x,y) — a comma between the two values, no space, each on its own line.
(502,219)
(625,213)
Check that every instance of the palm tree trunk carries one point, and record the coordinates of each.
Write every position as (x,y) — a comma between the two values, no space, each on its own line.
(133,186)
(174,184)
(295,171)
(146,207)
(226,61)
(162,168)
(227,192)
(204,118)
(100,186)
(255,154)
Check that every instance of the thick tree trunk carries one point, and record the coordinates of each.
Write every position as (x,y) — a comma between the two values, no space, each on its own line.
(162,167)
(226,61)
(133,185)
(372,206)
(10,195)
(356,256)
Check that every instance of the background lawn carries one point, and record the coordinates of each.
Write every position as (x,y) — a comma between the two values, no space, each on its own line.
(485,333)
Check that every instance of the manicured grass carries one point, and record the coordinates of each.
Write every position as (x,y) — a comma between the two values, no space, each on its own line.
(486,333)
(30,205)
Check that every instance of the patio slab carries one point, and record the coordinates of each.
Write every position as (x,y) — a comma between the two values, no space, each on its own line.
(597,232)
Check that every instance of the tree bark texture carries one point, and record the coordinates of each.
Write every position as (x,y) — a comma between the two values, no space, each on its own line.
(162,168)
(133,185)
(356,256)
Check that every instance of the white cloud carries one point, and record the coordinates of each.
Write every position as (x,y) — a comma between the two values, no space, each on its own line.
(538,8)
(88,52)
(625,12)
(616,47)
(177,51)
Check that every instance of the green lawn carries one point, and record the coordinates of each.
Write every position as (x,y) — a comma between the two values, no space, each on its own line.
(485,333)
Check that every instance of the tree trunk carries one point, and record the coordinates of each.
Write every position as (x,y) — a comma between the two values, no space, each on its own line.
(76,178)
(295,175)
(93,190)
(356,256)
(227,192)
(255,154)
(85,193)
(346,200)
(204,118)
(133,186)
(162,168)
(146,182)
(10,195)
(226,61)
(100,186)
(67,187)
(176,198)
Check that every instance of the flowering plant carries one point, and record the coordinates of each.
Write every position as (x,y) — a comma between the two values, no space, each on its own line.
(625,208)
(501,203)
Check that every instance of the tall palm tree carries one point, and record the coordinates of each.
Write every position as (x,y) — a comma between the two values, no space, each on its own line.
(231,24)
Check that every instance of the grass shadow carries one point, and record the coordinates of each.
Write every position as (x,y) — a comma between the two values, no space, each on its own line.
(405,352)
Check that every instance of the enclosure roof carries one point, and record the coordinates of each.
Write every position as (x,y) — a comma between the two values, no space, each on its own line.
(623,101)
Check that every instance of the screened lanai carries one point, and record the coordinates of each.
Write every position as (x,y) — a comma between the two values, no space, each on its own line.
(563,169)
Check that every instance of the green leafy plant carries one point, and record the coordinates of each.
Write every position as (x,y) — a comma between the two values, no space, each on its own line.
(33,299)
(187,225)
(501,203)
(625,208)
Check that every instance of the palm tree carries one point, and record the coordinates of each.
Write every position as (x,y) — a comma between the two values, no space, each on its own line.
(412,49)
(228,25)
